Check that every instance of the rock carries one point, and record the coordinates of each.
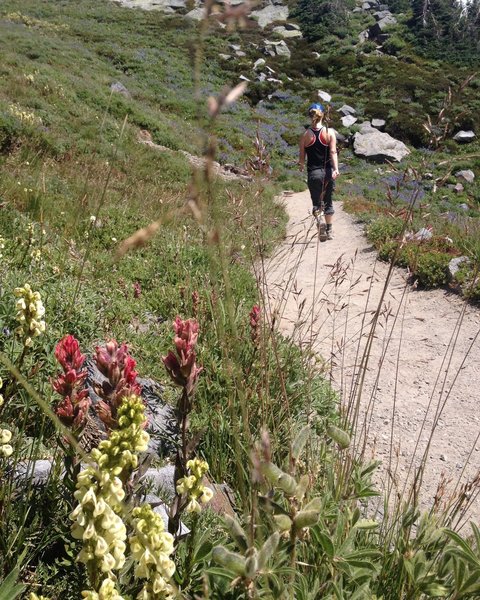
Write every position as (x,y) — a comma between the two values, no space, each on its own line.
(287,33)
(363,36)
(366,6)
(259,63)
(463,137)
(166,6)
(357,9)
(197,14)
(276,49)
(316,54)
(325,96)
(382,14)
(346,110)
(455,264)
(119,88)
(468,175)
(380,26)
(240,53)
(458,188)
(234,47)
(378,123)
(261,77)
(423,234)
(443,457)
(378,146)
(161,480)
(464,207)
(162,422)
(36,472)
(292,26)
(243,78)
(349,120)
(270,14)
(225,56)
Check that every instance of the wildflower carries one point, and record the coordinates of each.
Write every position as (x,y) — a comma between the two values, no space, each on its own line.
(255,324)
(137,289)
(192,485)
(73,409)
(93,219)
(30,311)
(151,547)
(2,245)
(36,255)
(107,591)
(5,449)
(116,364)
(182,367)
(100,493)
(195,302)
(34,596)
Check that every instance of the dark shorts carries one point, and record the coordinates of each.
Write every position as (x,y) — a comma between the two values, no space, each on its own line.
(321,186)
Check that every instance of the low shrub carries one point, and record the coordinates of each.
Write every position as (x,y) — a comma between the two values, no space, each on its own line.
(431,269)
(384,229)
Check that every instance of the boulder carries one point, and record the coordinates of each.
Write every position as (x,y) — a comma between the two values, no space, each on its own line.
(458,188)
(225,56)
(270,14)
(463,137)
(378,123)
(37,472)
(292,26)
(287,33)
(346,110)
(382,14)
(378,146)
(316,54)
(119,88)
(325,96)
(349,120)
(277,49)
(468,175)
(455,264)
(380,26)
(363,36)
(166,6)
(197,14)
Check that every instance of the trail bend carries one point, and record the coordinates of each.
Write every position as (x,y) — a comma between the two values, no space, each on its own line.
(424,362)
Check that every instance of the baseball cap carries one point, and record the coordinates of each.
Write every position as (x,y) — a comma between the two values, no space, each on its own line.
(316,107)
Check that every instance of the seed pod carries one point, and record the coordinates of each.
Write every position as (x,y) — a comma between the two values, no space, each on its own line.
(279,478)
(284,523)
(287,484)
(338,435)
(314,504)
(306,518)
(229,560)
(302,487)
(268,548)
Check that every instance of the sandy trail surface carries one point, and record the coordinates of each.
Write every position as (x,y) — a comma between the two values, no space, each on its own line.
(424,361)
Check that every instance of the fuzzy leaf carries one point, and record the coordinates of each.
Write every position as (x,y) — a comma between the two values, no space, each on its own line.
(268,549)
(9,588)
(230,560)
(236,531)
(299,442)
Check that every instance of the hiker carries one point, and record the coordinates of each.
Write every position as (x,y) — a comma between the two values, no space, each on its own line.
(320,145)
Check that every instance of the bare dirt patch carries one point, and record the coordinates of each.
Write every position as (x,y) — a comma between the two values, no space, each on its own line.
(424,359)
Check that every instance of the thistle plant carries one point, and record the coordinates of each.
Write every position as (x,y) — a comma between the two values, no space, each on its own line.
(30,311)
(182,367)
(100,492)
(73,409)
(151,547)
(116,364)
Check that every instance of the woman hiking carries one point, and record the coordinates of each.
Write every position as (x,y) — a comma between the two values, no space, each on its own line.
(320,145)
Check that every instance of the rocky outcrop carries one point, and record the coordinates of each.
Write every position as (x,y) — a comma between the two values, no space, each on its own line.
(288,31)
(377,146)
(381,25)
(270,14)
(276,49)
(467,174)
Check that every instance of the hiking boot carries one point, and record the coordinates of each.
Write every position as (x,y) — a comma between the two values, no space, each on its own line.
(322,231)
(329,234)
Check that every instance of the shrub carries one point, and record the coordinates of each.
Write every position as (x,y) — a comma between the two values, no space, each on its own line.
(431,269)
(384,229)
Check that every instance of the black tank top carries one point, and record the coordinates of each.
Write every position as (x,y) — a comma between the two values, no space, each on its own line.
(318,152)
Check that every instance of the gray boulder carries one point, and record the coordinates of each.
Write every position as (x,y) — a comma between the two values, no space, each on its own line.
(381,14)
(119,88)
(363,36)
(287,33)
(166,6)
(197,14)
(270,14)
(346,110)
(378,146)
(325,96)
(36,472)
(349,120)
(463,137)
(380,26)
(277,49)
(378,123)
(458,188)
(259,63)
(455,264)
(468,175)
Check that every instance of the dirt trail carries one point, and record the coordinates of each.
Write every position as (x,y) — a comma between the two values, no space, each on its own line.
(412,347)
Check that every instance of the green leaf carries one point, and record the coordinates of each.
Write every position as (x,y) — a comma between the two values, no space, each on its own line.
(435,590)
(366,524)
(299,442)
(9,588)
(326,543)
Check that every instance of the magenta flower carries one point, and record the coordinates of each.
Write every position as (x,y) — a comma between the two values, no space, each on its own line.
(73,409)
(116,364)
(255,323)
(181,365)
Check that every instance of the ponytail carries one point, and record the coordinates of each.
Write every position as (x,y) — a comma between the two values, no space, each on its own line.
(316,115)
